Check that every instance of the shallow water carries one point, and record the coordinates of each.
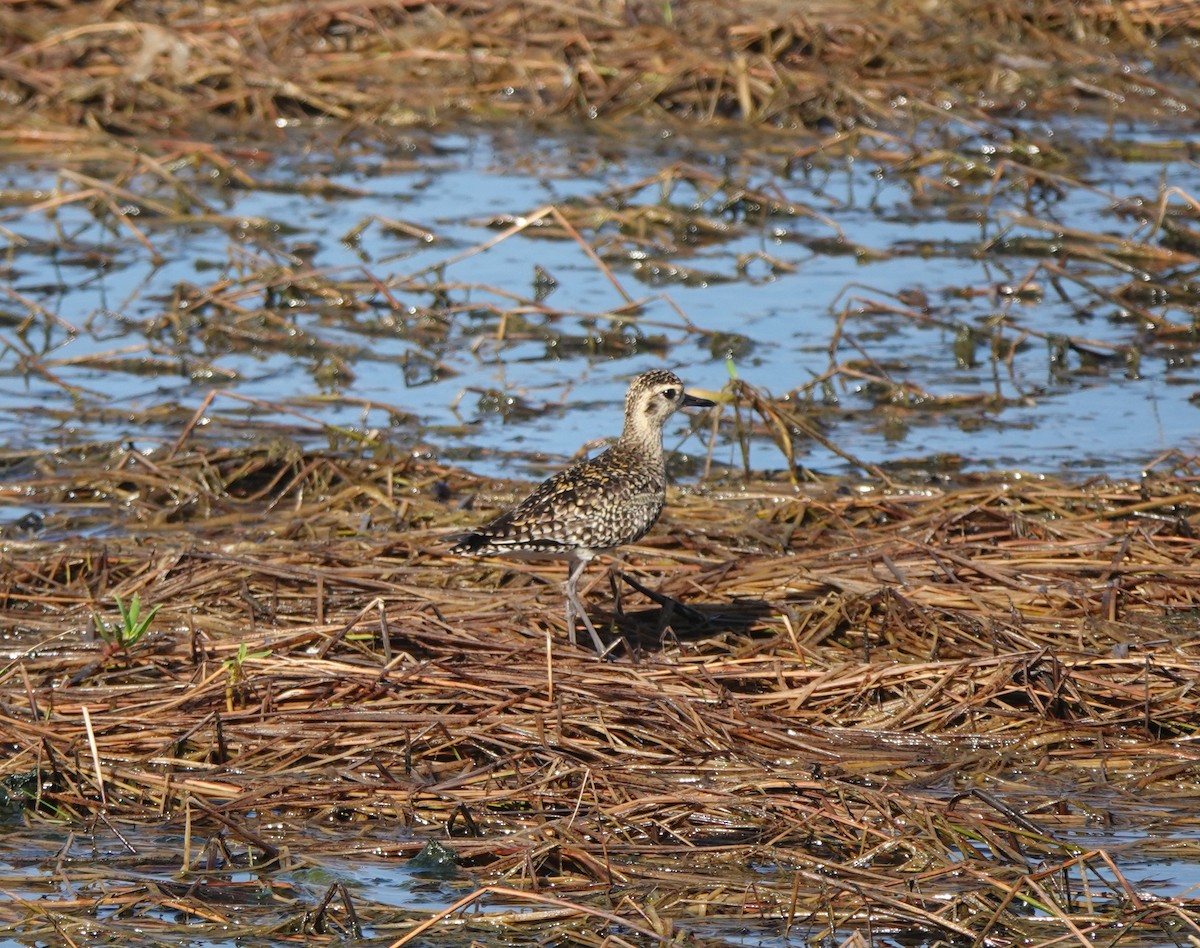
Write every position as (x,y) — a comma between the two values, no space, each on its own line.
(132,878)
(447,377)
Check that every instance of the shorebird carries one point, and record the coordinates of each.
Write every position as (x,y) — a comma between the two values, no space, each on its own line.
(597,504)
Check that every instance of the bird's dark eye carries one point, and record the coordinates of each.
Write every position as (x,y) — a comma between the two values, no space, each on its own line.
(669,393)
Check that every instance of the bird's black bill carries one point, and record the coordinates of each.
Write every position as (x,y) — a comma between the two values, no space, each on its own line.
(691,401)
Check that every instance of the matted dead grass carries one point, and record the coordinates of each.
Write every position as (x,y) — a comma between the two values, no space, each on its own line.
(86,71)
(872,708)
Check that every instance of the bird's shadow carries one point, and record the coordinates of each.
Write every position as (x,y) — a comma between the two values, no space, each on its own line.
(648,628)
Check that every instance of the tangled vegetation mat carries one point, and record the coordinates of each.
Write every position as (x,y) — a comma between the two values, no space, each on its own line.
(940,715)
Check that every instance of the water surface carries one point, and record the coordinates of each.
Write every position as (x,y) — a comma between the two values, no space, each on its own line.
(977,304)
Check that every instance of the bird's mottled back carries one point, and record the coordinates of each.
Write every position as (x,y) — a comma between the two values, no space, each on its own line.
(598,504)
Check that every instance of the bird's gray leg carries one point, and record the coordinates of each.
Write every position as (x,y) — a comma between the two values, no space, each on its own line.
(576,566)
(573,567)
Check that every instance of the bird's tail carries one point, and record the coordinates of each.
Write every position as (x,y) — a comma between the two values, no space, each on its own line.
(468,544)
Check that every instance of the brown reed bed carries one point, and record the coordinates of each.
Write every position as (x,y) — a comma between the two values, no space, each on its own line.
(90,71)
(944,711)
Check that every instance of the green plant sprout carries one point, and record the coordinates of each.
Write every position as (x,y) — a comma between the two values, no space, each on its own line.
(123,635)
(237,675)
